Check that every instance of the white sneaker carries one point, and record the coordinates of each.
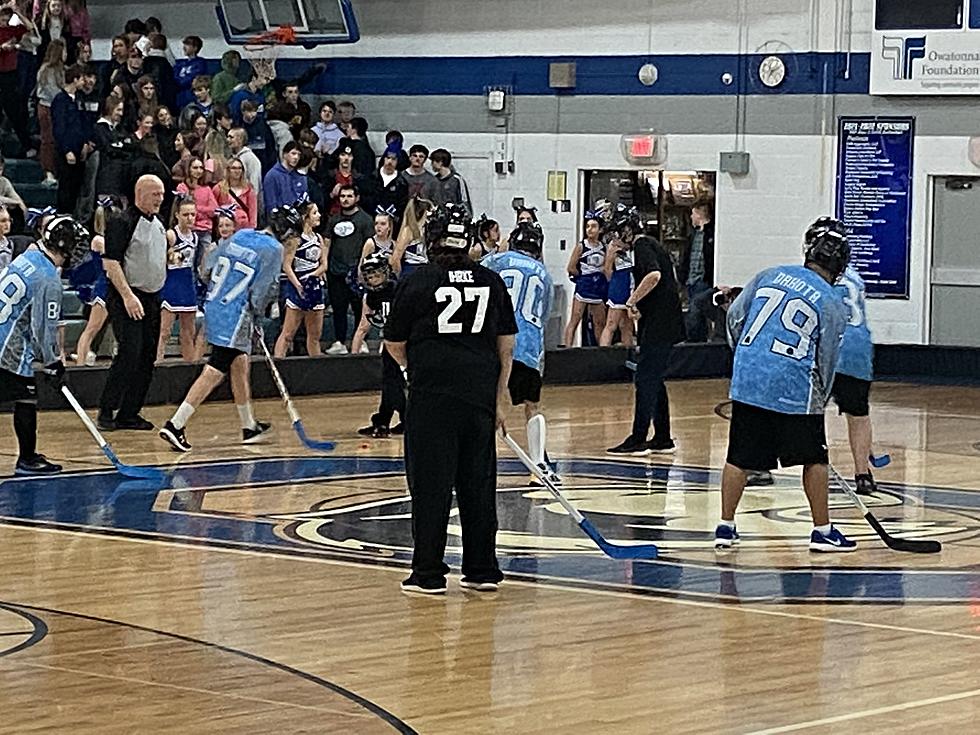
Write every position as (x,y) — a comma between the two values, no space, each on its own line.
(90,359)
(365,350)
(337,348)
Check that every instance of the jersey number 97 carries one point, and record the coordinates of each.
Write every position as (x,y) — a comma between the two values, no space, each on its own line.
(222,270)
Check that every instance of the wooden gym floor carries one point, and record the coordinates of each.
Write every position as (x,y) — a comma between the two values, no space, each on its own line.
(256,588)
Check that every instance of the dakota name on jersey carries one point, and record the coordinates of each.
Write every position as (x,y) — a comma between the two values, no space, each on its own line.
(792,312)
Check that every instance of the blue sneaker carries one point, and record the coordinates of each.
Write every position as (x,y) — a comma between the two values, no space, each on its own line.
(725,536)
(834,541)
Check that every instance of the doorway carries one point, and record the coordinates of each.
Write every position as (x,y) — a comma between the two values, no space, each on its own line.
(955,272)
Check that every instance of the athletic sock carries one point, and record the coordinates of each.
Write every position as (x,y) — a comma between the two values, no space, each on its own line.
(723,522)
(824,529)
(182,415)
(25,427)
(245,415)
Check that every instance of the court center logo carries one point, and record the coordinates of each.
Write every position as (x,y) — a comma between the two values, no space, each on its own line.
(673,507)
(903,53)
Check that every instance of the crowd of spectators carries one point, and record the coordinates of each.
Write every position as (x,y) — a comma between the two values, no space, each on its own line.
(240,142)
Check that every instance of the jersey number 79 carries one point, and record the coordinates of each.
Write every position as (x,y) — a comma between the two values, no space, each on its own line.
(790,317)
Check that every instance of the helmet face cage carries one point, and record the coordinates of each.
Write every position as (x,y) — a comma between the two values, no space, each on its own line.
(286,222)
(826,245)
(527,238)
(450,226)
(624,225)
(375,272)
(67,237)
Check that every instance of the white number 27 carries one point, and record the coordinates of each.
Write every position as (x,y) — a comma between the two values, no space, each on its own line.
(455,297)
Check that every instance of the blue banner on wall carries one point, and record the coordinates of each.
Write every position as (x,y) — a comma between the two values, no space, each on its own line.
(874,199)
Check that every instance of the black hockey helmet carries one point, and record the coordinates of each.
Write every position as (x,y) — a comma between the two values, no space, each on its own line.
(375,271)
(285,222)
(450,226)
(825,244)
(624,224)
(527,238)
(63,235)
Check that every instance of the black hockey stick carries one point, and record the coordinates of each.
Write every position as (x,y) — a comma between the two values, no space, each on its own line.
(915,546)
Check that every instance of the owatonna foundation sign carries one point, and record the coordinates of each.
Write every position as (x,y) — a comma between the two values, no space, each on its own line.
(920,63)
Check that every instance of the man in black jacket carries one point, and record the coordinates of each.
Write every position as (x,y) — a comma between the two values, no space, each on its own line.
(697,271)
(656,302)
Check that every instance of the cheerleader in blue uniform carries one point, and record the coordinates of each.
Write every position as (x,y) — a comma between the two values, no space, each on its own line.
(618,268)
(383,241)
(302,284)
(585,268)
(410,251)
(89,280)
(179,295)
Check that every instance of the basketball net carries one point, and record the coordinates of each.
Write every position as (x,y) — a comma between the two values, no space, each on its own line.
(263,49)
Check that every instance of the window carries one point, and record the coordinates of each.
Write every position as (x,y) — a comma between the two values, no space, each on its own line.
(914,15)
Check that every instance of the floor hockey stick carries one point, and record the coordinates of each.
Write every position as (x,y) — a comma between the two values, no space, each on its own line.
(615,551)
(920,546)
(139,473)
(320,446)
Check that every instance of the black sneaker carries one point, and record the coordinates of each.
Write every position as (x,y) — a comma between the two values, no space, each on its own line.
(36,465)
(758,479)
(664,446)
(479,585)
(398,429)
(631,446)
(175,437)
(259,434)
(105,422)
(865,484)
(381,432)
(415,585)
(367,430)
(137,423)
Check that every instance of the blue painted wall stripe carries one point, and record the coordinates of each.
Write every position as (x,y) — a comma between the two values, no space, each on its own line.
(595,75)
(807,73)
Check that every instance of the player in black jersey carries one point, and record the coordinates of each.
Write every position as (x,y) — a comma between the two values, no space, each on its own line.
(452,324)
(379,290)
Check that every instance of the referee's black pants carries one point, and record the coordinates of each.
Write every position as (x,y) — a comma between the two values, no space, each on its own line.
(132,367)
(452,445)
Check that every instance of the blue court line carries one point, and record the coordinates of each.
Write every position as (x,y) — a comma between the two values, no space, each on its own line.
(66,502)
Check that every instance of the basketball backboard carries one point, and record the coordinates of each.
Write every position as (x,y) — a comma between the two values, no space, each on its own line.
(315,22)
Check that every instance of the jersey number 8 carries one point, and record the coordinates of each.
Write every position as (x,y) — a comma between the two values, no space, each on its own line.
(791,312)
(12,290)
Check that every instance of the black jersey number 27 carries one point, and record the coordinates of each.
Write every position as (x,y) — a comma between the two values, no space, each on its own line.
(454,298)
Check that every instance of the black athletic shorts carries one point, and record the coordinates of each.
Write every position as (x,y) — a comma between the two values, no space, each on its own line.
(222,358)
(14,387)
(524,384)
(851,395)
(760,439)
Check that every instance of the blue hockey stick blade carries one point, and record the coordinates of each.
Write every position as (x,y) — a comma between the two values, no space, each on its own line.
(616,551)
(128,470)
(319,446)
(882,460)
